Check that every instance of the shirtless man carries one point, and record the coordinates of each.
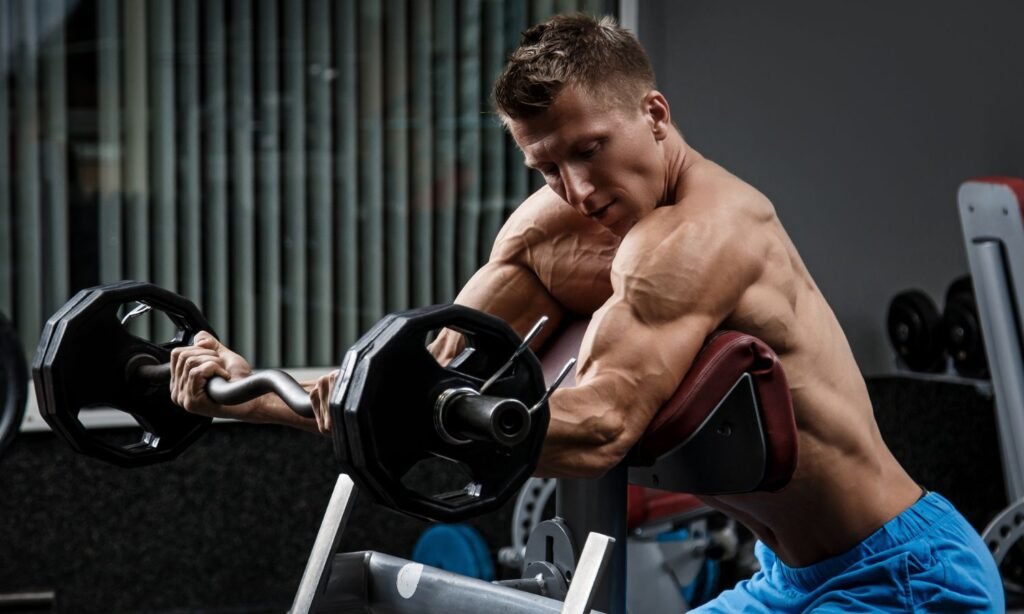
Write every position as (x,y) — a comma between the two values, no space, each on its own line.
(663,246)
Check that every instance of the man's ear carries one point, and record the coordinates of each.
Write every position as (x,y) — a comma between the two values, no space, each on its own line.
(658,114)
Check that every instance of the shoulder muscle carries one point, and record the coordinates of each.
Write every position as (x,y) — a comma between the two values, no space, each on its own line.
(699,266)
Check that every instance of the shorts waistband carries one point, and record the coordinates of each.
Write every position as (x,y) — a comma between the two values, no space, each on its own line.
(909,524)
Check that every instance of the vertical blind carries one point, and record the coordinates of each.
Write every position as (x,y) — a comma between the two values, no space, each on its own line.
(297,168)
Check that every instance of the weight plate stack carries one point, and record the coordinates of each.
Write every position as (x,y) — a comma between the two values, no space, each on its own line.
(964,340)
(915,331)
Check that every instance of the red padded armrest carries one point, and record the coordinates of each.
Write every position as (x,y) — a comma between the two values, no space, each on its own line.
(650,505)
(724,358)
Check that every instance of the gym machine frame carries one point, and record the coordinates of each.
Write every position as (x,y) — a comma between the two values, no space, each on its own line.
(994,239)
(990,214)
(595,509)
(349,582)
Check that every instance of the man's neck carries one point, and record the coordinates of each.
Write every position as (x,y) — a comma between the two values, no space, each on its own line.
(679,159)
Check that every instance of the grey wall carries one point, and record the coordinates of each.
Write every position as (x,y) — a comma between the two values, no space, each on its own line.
(859,120)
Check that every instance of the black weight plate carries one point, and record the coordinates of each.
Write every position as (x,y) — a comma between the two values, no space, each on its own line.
(166,427)
(960,285)
(339,433)
(357,439)
(13,383)
(964,340)
(387,408)
(915,331)
(491,467)
(52,332)
(82,364)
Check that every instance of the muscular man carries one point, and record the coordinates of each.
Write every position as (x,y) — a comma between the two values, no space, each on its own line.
(662,247)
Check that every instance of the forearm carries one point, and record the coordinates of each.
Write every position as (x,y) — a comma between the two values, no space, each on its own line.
(513,293)
(586,436)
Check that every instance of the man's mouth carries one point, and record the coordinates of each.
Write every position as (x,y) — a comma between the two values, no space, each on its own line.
(600,212)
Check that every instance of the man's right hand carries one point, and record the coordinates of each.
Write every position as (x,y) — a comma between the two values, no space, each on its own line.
(193,366)
(320,397)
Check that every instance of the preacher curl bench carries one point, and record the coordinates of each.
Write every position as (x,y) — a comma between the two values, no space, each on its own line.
(729,428)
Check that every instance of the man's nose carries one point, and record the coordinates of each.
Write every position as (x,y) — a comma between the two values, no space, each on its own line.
(577,188)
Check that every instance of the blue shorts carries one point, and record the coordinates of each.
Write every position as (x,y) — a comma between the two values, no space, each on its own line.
(927,559)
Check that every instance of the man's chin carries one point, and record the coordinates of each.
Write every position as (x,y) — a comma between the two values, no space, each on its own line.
(621,228)
(615,224)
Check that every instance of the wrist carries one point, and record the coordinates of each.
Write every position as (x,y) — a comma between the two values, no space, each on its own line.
(253,410)
(271,409)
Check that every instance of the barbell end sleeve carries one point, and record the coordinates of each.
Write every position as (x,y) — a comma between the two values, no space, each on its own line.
(464,413)
(144,367)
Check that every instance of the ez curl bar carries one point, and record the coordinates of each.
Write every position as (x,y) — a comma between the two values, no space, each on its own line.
(88,358)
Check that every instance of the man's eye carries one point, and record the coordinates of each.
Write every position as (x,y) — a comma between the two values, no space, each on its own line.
(589,152)
(548,171)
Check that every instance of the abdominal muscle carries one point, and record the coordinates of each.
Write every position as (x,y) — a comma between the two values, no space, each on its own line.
(846,484)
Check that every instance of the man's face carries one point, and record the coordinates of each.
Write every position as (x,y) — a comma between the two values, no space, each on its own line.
(605,161)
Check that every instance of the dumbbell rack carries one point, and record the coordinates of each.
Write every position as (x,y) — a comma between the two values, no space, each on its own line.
(372,581)
(990,214)
(982,386)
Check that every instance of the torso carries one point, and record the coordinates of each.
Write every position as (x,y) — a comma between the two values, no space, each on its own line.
(847,483)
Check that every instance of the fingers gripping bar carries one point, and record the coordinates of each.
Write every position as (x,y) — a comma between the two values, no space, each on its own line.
(239,391)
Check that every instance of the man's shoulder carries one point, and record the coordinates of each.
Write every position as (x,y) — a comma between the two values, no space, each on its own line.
(711,189)
(547,212)
(675,231)
(710,230)
(539,221)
